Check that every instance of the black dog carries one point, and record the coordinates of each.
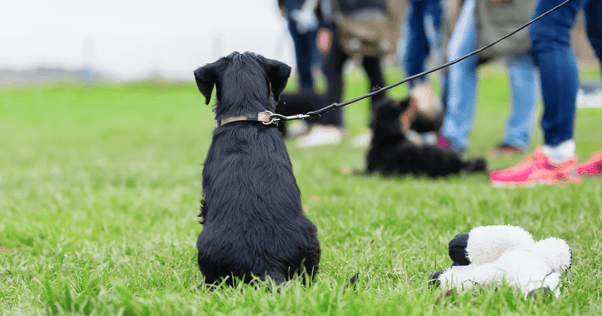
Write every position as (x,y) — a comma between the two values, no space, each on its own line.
(391,153)
(253,222)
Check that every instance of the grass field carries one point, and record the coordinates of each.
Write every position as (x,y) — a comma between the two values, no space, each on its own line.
(100,188)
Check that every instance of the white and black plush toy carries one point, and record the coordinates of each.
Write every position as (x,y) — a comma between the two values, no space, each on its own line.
(490,254)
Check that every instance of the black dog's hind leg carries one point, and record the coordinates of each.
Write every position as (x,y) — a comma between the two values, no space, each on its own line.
(475,165)
(276,277)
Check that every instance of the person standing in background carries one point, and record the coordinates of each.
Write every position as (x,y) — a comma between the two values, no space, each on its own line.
(303,26)
(481,22)
(556,162)
(363,29)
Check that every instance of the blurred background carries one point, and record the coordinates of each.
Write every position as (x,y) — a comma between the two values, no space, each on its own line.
(42,41)
(70,40)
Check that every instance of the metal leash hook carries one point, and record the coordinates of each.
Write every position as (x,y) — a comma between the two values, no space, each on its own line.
(275,117)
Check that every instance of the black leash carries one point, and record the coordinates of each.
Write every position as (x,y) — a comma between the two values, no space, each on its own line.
(278,117)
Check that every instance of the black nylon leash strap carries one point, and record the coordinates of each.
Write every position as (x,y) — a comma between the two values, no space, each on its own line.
(377,90)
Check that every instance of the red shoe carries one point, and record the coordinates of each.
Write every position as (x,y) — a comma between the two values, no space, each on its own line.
(442,142)
(536,169)
(592,167)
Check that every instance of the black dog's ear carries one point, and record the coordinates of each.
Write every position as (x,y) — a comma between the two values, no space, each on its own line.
(205,79)
(403,104)
(278,74)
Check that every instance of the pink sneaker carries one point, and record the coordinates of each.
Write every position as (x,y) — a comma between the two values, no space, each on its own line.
(536,169)
(592,167)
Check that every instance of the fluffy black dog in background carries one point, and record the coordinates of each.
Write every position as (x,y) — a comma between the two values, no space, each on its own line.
(391,153)
(253,222)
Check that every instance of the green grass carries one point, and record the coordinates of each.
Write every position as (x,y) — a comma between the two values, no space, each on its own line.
(100,188)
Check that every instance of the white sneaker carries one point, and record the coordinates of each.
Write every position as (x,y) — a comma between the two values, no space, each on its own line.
(362,139)
(589,96)
(297,128)
(414,137)
(321,135)
(429,138)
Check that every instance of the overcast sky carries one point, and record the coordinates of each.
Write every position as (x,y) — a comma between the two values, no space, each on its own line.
(132,38)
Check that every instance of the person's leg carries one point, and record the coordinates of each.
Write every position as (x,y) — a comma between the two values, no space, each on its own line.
(299,103)
(462,80)
(332,67)
(303,101)
(304,46)
(375,75)
(312,54)
(329,127)
(377,80)
(555,161)
(416,47)
(432,19)
(593,22)
(434,30)
(558,68)
(521,68)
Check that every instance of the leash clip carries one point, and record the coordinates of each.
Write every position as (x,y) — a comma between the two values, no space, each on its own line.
(272,118)
(275,117)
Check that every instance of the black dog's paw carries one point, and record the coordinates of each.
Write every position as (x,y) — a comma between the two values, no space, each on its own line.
(457,249)
(434,279)
(475,165)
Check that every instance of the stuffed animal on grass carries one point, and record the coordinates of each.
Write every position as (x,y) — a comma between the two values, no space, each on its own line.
(496,254)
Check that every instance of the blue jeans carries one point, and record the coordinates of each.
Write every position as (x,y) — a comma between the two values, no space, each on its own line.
(462,84)
(423,37)
(558,68)
(305,54)
(593,22)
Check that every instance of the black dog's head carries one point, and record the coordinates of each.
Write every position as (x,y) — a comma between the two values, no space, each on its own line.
(395,116)
(388,117)
(242,82)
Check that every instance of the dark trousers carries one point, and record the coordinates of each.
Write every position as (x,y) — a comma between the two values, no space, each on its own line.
(332,67)
(305,53)
(593,23)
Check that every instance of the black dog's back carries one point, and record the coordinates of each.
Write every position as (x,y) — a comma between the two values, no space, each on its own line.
(252,214)
(391,153)
(254,220)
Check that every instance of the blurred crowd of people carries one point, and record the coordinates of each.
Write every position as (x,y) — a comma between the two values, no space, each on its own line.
(539,61)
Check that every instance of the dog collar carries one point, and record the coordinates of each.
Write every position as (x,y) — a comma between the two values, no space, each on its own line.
(265,117)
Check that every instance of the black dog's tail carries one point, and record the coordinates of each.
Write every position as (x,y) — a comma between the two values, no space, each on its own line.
(475,165)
